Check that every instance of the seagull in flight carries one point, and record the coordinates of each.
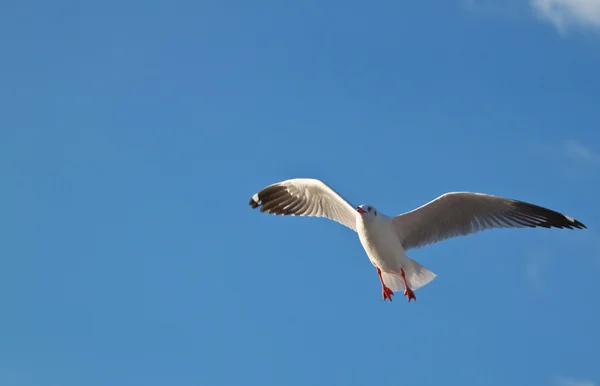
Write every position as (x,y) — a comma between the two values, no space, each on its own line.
(386,239)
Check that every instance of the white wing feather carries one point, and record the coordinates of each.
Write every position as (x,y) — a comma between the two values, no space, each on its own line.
(305,197)
(462,213)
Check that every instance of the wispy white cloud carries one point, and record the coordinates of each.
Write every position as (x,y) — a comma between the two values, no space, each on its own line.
(574,382)
(578,151)
(565,14)
(571,157)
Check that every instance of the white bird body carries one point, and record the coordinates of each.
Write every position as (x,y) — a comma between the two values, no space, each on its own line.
(380,242)
(386,239)
(382,245)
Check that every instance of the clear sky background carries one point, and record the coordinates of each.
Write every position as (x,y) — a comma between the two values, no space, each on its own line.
(133,134)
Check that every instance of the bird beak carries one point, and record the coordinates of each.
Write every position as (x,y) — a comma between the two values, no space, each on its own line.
(360,210)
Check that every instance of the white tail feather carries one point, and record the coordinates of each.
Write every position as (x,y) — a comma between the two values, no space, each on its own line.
(416,276)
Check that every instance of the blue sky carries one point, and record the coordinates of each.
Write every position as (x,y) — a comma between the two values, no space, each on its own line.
(132,136)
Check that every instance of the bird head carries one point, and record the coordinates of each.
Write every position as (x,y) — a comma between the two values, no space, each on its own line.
(367,211)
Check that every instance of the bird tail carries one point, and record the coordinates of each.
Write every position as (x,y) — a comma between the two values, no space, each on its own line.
(416,276)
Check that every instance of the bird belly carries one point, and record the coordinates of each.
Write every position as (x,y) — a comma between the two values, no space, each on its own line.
(383,248)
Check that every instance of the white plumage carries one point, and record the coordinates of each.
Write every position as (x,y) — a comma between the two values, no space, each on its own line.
(386,239)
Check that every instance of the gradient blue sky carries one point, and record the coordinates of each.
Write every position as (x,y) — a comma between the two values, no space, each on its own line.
(132,135)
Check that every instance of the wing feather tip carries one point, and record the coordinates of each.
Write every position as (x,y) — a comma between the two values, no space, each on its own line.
(548,218)
(258,199)
(575,223)
(254,201)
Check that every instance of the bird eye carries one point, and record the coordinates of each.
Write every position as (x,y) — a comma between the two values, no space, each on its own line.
(369,208)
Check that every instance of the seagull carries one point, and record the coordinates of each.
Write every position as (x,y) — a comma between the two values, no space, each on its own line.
(387,239)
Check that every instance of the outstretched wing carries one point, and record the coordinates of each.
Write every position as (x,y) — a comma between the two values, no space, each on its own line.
(305,197)
(462,213)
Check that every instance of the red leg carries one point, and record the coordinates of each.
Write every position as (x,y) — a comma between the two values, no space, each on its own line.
(385,291)
(407,292)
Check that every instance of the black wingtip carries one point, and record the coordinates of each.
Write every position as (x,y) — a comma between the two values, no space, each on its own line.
(578,224)
(253,203)
(273,200)
(539,216)
(571,223)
